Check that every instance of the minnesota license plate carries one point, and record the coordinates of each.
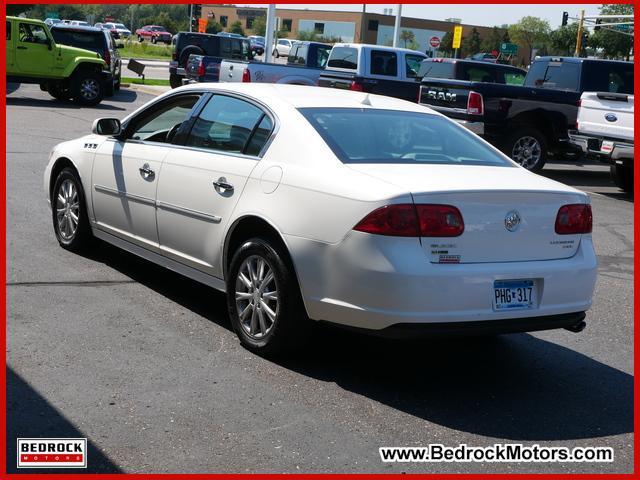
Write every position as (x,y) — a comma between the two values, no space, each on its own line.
(514,294)
(607,147)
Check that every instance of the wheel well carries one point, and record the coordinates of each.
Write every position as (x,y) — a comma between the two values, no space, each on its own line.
(60,165)
(246,228)
(544,122)
(87,67)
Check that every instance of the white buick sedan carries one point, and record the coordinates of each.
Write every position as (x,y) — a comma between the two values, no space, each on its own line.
(312,204)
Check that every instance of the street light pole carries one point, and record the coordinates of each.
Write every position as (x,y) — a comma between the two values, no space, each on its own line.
(190,17)
(579,38)
(396,28)
(271,25)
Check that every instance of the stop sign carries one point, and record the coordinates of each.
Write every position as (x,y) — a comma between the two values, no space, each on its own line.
(434,42)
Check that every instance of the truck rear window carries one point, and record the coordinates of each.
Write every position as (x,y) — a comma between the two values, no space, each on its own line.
(432,69)
(343,57)
(554,75)
(608,77)
(388,136)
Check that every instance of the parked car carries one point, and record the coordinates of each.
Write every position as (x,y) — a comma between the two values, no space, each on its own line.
(228,34)
(79,23)
(471,70)
(33,56)
(122,31)
(153,33)
(282,48)
(109,27)
(52,21)
(305,63)
(217,190)
(605,129)
(484,57)
(257,44)
(96,40)
(188,43)
(528,122)
(373,69)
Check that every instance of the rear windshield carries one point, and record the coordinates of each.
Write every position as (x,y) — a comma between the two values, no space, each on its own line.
(436,69)
(343,57)
(608,77)
(554,75)
(388,136)
(94,41)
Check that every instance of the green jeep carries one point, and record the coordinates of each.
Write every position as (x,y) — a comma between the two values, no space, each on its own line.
(65,72)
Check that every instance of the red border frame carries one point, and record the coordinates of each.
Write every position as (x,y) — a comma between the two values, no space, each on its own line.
(3,309)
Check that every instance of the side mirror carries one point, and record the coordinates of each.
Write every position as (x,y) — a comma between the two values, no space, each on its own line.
(106,126)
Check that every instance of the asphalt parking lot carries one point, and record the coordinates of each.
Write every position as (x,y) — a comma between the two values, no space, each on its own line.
(143,362)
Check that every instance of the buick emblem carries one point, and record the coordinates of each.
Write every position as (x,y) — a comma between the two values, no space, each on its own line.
(512,221)
(610,117)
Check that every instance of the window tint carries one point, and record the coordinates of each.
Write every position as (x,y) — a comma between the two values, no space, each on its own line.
(259,137)
(322,53)
(536,74)
(387,136)
(559,76)
(161,123)
(608,77)
(94,41)
(384,63)
(412,64)
(225,124)
(343,57)
(29,33)
(298,54)
(8,33)
(513,78)
(436,69)
(477,73)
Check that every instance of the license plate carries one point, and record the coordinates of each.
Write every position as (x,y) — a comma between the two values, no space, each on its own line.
(607,146)
(514,294)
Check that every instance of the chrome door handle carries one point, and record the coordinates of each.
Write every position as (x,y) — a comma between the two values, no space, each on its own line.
(223,185)
(146,171)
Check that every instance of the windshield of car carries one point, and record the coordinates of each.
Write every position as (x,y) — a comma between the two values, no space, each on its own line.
(93,41)
(158,29)
(388,136)
(120,26)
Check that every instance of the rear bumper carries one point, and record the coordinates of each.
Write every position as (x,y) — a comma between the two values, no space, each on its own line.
(374,282)
(475,127)
(622,149)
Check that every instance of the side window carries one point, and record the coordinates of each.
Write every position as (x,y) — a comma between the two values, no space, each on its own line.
(225,46)
(225,124)
(29,33)
(160,124)
(412,65)
(236,48)
(384,63)
(259,137)
(8,30)
(475,73)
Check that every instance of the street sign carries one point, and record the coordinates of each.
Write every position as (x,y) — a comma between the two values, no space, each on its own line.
(202,25)
(457,36)
(434,42)
(508,48)
(622,28)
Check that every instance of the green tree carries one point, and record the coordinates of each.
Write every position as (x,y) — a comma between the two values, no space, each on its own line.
(492,41)
(613,44)
(529,33)
(471,44)
(236,27)
(15,10)
(563,40)
(213,26)
(446,43)
(259,26)
(407,36)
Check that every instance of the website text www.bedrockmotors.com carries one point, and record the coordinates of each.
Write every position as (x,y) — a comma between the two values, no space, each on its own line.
(507,452)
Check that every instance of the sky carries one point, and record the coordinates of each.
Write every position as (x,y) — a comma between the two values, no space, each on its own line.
(474,14)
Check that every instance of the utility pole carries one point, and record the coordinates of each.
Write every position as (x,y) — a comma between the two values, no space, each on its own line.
(579,37)
(362,22)
(191,17)
(271,26)
(396,28)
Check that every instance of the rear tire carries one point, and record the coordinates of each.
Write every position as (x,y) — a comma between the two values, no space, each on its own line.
(276,54)
(59,91)
(264,300)
(527,146)
(87,88)
(140,38)
(69,212)
(622,176)
(175,81)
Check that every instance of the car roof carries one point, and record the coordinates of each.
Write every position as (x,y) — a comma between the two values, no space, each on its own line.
(379,47)
(468,60)
(284,96)
(76,28)
(576,60)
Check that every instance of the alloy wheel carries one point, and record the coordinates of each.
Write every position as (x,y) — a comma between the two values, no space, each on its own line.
(67,210)
(527,151)
(89,88)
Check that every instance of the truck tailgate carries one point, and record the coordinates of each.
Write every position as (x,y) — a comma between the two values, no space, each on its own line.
(606,114)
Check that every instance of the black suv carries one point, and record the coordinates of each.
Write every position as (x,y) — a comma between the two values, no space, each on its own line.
(95,40)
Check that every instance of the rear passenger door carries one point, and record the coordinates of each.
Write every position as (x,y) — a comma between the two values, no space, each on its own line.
(203,179)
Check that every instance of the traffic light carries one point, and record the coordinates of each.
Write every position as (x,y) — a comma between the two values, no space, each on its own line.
(565,18)
(197,10)
(597,26)
(194,23)
(585,39)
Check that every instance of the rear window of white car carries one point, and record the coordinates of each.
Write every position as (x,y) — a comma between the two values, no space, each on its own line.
(388,136)
(343,57)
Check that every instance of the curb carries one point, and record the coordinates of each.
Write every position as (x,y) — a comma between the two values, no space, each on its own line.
(150,89)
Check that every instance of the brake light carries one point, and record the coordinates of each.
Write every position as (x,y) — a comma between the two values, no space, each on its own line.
(356,87)
(475,104)
(573,219)
(408,220)
(201,70)
(246,76)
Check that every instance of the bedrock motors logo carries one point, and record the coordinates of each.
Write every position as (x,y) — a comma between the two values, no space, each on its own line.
(52,453)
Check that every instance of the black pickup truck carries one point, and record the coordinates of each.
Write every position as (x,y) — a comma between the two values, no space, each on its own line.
(527,122)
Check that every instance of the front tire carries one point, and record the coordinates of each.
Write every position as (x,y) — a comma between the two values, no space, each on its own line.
(69,211)
(175,80)
(140,39)
(264,301)
(622,176)
(276,53)
(527,147)
(87,88)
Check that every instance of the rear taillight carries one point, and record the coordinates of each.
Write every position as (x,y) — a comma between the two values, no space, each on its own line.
(107,58)
(201,70)
(408,220)
(246,76)
(356,87)
(573,219)
(475,104)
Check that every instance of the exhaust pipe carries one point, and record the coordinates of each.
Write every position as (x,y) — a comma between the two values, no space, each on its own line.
(578,327)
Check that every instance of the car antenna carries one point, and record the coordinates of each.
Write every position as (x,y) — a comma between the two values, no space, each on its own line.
(366,100)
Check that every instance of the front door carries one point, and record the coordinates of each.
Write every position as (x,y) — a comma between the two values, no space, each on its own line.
(126,171)
(202,180)
(34,55)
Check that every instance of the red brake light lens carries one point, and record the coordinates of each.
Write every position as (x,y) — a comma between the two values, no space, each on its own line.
(356,87)
(201,70)
(574,219)
(408,220)
(475,104)
(246,76)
